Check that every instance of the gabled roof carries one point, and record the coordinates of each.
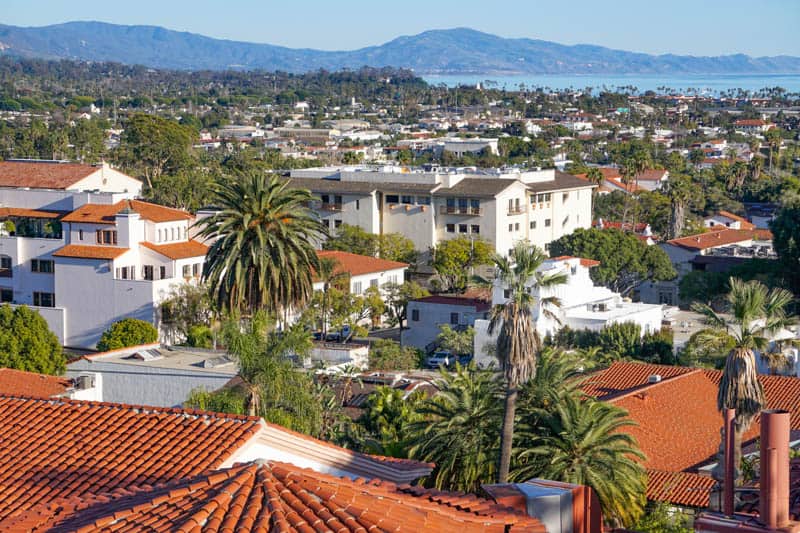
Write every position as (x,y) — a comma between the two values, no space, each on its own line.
(275,496)
(178,250)
(82,251)
(480,304)
(43,175)
(720,237)
(357,265)
(105,213)
(21,383)
(52,449)
(746,224)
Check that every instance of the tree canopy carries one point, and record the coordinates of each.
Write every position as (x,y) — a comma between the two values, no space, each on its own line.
(127,332)
(452,260)
(26,342)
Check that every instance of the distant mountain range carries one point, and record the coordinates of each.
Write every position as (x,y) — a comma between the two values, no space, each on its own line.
(453,51)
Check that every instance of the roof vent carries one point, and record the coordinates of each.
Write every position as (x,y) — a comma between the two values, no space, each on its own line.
(146,355)
(84,382)
(654,378)
(215,362)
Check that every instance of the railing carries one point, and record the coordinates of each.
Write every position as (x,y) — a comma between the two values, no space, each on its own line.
(330,207)
(516,210)
(460,210)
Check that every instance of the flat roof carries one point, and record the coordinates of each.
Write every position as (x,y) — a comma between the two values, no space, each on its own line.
(176,357)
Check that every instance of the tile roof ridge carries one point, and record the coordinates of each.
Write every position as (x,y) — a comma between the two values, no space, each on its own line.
(649,386)
(138,409)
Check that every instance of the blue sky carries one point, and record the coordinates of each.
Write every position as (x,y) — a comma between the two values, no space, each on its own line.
(698,27)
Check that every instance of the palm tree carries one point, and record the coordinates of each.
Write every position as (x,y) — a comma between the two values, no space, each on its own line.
(386,418)
(630,171)
(583,441)
(458,431)
(737,173)
(518,341)
(756,313)
(679,190)
(330,274)
(263,252)
(595,176)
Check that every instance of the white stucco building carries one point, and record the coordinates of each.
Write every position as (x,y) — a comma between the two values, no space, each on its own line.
(76,246)
(501,206)
(583,305)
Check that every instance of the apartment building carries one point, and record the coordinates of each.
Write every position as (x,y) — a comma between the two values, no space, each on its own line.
(429,205)
(77,246)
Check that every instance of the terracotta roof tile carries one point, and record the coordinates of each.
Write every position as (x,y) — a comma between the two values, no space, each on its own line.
(178,250)
(746,224)
(90,252)
(588,263)
(51,449)
(480,304)
(679,488)
(20,383)
(277,496)
(357,265)
(6,212)
(721,237)
(43,175)
(105,213)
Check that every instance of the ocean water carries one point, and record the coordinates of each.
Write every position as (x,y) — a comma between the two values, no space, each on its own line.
(706,84)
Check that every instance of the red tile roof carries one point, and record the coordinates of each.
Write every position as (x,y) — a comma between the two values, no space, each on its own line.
(746,224)
(52,449)
(105,213)
(43,175)
(6,212)
(480,304)
(20,383)
(721,237)
(623,377)
(679,488)
(278,497)
(356,265)
(81,251)
(178,250)
(749,122)
(588,263)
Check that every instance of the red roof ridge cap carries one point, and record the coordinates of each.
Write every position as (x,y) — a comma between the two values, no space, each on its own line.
(646,386)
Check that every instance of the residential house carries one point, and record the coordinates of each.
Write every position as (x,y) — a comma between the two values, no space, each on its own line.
(364,271)
(426,316)
(649,180)
(76,246)
(728,220)
(32,385)
(583,305)
(750,126)
(719,242)
(428,205)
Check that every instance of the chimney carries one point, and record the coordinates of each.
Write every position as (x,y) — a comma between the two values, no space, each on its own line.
(774,490)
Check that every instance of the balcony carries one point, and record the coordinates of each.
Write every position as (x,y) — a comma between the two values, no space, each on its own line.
(324,206)
(460,210)
(516,210)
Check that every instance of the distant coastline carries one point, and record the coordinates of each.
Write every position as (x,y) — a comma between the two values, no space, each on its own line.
(710,84)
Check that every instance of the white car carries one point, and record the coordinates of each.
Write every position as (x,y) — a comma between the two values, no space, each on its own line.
(440,358)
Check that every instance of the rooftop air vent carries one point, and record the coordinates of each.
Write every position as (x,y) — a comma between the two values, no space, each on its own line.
(84,382)
(146,355)
(654,378)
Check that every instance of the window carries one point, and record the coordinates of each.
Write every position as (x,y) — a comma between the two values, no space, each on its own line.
(415,315)
(511,227)
(337,199)
(44,299)
(162,272)
(42,266)
(451,228)
(325,199)
(173,235)
(147,272)
(373,282)
(476,229)
(392,199)
(337,223)
(454,318)
(516,226)
(424,200)
(462,228)
(405,199)
(196,269)
(80,234)
(160,236)
(5,266)
(106,236)
(565,197)
(185,233)
(6,295)
(126,273)
(510,205)
(566,221)
(506,293)
(547,223)
(357,287)
(533,224)
(187,271)
(358,204)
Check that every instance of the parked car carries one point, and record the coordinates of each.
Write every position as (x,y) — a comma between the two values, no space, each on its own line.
(440,358)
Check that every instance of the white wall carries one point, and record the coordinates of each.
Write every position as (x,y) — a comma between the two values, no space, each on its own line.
(424,331)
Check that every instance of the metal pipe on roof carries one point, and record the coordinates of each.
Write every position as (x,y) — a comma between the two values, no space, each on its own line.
(730,467)
(774,489)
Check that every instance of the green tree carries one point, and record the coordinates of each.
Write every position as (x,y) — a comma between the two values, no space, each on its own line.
(26,342)
(186,307)
(596,177)
(397,247)
(625,261)
(458,430)
(621,339)
(583,441)
(518,342)
(386,354)
(786,238)
(127,332)
(457,342)
(263,253)
(153,146)
(353,239)
(454,258)
(386,418)
(397,297)
(754,314)
(680,190)
(331,275)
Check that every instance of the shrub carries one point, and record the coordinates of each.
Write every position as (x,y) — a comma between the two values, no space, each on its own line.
(657,348)
(26,342)
(199,336)
(127,332)
(622,339)
(385,354)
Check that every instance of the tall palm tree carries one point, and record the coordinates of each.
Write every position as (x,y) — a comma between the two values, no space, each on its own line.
(755,314)
(679,190)
(263,251)
(330,274)
(518,341)
(596,177)
(630,171)
(458,431)
(583,441)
